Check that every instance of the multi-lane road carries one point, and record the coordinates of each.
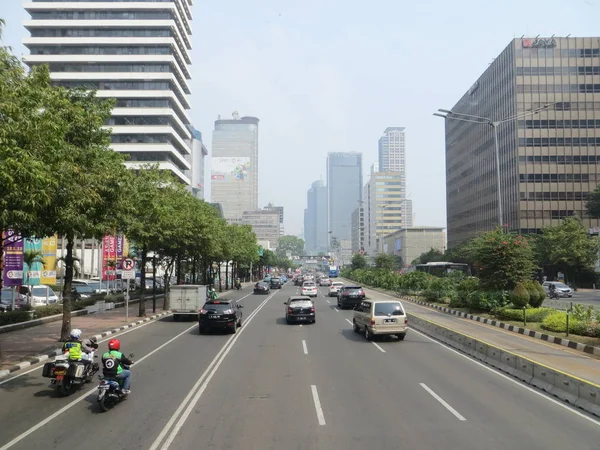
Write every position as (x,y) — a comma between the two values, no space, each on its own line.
(279,386)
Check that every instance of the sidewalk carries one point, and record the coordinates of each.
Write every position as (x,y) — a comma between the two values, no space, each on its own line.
(570,361)
(17,346)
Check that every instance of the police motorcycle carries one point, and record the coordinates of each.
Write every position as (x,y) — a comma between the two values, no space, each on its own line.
(110,390)
(67,375)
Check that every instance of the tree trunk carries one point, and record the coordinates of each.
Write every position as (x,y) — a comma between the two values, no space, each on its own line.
(154,283)
(142,304)
(194,262)
(220,281)
(178,269)
(66,319)
(226,275)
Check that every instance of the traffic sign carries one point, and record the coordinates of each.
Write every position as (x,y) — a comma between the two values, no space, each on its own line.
(128,264)
(128,274)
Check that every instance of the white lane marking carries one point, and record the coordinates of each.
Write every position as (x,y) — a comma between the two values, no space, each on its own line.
(512,380)
(336,309)
(304,347)
(443,402)
(327,300)
(350,322)
(320,415)
(106,338)
(300,325)
(378,347)
(79,399)
(200,387)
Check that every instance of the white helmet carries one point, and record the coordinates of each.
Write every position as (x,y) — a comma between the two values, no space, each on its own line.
(76,333)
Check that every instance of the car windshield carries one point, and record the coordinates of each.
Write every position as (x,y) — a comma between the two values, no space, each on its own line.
(300,300)
(7,295)
(309,285)
(388,309)
(274,279)
(217,307)
(96,285)
(84,289)
(352,288)
(337,284)
(561,286)
(40,291)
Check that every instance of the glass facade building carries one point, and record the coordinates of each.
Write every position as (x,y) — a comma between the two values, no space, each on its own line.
(392,149)
(234,174)
(548,160)
(137,52)
(315,219)
(344,181)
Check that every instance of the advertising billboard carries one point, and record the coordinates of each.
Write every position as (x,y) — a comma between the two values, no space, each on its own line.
(13,259)
(230,168)
(32,275)
(49,245)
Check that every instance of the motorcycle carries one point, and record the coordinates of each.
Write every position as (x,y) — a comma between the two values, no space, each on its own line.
(238,285)
(110,390)
(67,375)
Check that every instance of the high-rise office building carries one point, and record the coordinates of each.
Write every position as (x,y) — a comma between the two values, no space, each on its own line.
(137,52)
(199,152)
(358,230)
(344,182)
(234,174)
(315,222)
(392,149)
(549,160)
(265,224)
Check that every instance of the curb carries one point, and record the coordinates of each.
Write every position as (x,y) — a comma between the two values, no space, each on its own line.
(589,349)
(46,356)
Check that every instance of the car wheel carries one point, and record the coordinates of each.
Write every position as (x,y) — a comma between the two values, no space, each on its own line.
(200,330)
(401,337)
(233,329)
(368,335)
(289,322)
(355,327)
(239,323)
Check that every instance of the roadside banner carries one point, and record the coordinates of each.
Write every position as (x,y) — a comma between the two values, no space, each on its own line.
(13,259)
(49,246)
(109,253)
(120,246)
(32,275)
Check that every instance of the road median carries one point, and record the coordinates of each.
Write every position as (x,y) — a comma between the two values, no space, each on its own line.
(576,391)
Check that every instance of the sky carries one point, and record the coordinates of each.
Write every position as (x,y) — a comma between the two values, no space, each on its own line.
(331,75)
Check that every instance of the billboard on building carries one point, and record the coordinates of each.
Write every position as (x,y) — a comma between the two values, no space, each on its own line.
(230,168)
(13,258)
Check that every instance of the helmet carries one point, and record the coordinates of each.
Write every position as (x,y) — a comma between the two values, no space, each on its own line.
(114,344)
(76,333)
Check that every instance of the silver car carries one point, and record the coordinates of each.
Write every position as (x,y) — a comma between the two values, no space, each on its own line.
(561,288)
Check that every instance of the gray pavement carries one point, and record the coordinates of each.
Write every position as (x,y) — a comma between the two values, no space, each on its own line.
(260,390)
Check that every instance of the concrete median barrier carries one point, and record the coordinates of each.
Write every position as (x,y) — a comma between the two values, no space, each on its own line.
(570,389)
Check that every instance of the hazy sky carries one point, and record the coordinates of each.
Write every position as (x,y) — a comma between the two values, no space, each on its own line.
(331,75)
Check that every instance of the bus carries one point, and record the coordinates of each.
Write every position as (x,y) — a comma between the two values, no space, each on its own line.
(334,272)
(442,269)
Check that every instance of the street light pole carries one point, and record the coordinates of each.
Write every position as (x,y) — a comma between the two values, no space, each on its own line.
(448,114)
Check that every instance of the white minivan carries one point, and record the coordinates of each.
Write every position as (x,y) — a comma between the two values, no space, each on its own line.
(380,317)
(40,295)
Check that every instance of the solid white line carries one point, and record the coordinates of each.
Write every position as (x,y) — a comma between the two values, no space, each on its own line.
(327,300)
(320,415)
(79,399)
(202,383)
(378,347)
(349,321)
(441,400)
(304,347)
(106,338)
(336,309)
(512,380)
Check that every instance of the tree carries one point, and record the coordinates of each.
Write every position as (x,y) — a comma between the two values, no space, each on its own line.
(429,256)
(568,247)
(359,262)
(502,259)
(593,203)
(519,297)
(385,261)
(292,244)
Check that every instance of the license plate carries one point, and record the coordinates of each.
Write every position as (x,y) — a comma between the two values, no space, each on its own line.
(59,372)
(389,320)
(214,317)
(301,318)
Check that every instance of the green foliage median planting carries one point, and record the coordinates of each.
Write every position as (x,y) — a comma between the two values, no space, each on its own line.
(10,317)
(519,296)
(516,315)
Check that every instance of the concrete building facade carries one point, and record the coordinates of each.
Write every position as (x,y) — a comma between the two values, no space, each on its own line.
(549,160)
(410,243)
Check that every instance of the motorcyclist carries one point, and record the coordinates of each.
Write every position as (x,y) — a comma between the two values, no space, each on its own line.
(79,350)
(113,361)
(211,294)
(238,283)
(552,290)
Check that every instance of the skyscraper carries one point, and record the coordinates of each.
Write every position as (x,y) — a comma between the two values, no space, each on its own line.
(315,223)
(234,174)
(392,150)
(549,159)
(344,182)
(137,52)
(199,152)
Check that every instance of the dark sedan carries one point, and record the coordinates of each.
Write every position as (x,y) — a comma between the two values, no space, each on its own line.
(350,296)
(300,309)
(262,288)
(276,283)
(220,315)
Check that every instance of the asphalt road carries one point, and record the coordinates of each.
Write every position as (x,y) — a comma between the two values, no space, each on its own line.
(279,386)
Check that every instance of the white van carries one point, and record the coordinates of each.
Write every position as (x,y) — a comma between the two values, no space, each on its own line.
(39,295)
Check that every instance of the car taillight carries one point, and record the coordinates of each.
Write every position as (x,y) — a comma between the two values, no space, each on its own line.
(372,321)
(312,309)
(361,292)
(290,310)
(405,321)
(203,311)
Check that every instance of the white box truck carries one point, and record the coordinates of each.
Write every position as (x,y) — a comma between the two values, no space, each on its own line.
(186,300)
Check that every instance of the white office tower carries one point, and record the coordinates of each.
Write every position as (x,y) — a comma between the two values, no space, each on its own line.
(137,52)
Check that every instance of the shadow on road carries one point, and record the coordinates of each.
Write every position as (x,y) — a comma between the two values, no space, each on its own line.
(25,381)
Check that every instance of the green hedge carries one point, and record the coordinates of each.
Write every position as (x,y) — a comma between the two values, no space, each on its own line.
(47,310)
(11,317)
(516,315)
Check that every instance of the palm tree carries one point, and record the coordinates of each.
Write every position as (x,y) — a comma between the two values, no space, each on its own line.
(30,257)
(111,264)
